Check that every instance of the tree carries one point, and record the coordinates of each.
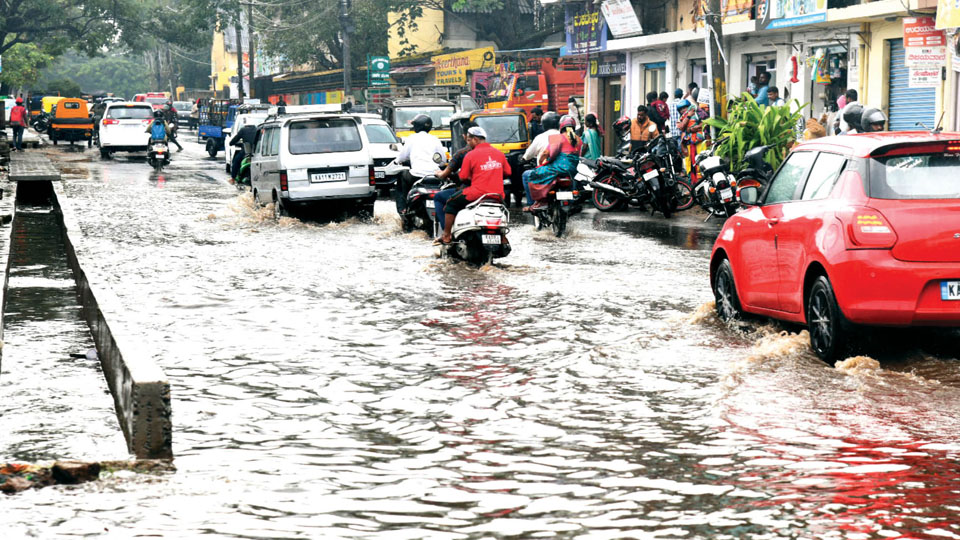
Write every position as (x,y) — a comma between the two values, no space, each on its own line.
(120,74)
(63,87)
(22,64)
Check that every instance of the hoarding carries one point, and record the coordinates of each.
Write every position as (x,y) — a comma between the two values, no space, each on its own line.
(621,18)
(586,30)
(773,14)
(452,68)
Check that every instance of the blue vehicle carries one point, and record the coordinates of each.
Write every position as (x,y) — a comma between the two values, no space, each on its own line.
(215,116)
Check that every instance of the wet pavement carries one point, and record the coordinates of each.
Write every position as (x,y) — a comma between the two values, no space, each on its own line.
(337,381)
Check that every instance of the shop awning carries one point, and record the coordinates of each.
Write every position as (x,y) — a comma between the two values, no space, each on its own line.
(400,70)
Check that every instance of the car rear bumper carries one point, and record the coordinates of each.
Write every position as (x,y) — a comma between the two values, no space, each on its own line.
(311,195)
(874,288)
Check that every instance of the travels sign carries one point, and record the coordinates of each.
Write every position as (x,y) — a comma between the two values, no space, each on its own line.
(451,69)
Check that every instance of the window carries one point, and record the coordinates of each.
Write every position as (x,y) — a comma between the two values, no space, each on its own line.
(274,141)
(134,113)
(503,129)
(380,134)
(823,176)
(71,105)
(924,176)
(263,148)
(784,185)
(529,83)
(325,135)
(439,115)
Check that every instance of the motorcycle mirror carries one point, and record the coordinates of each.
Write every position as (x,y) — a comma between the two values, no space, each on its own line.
(749,195)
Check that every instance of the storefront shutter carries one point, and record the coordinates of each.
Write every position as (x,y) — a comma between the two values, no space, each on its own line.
(908,105)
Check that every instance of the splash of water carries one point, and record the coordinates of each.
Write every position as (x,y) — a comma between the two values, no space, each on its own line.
(858,365)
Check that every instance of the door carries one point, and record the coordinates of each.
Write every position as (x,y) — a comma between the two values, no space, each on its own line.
(800,221)
(907,105)
(759,275)
(257,180)
(612,99)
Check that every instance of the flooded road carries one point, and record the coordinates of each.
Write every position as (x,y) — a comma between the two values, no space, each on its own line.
(338,381)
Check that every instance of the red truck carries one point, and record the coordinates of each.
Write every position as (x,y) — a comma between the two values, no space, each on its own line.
(541,83)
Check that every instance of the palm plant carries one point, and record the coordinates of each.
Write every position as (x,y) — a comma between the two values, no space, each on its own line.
(749,125)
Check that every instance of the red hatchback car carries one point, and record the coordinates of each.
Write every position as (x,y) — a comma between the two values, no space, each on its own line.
(858,229)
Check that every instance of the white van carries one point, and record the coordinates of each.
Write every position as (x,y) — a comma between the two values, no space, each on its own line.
(384,148)
(303,160)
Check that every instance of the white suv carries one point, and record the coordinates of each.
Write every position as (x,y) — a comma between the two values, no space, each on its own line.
(123,128)
(304,160)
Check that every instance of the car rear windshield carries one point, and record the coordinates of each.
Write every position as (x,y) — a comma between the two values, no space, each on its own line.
(156,100)
(71,105)
(503,129)
(380,134)
(439,115)
(136,113)
(925,176)
(326,135)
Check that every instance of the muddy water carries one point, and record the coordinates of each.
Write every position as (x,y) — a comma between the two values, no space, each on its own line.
(337,381)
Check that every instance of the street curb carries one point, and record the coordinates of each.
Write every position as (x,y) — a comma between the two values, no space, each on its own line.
(140,389)
(8,209)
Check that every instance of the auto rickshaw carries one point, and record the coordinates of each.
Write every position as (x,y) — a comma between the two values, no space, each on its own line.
(48,103)
(506,131)
(71,122)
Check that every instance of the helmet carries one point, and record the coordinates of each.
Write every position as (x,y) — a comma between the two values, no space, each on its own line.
(158,113)
(567,121)
(550,120)
(622,125)
(19,101)
(422,122)
(852,114)
(872,120)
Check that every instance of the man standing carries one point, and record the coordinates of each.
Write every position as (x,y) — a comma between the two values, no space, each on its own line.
(18,120)
(674,113)
(773,95)
(642,129)
(535,127)
(657,111)
(763,97)
(485,167)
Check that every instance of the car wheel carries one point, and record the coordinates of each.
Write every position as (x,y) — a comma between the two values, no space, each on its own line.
(829,329)
(725,293)
(104,153)
(279,209)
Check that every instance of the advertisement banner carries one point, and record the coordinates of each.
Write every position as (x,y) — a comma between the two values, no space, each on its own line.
(586,30)
(773,14)
(451,69)
(928,77)
(609,67)
(732,10)
(948,14)
(378,70)
(925,57)
(922,32)
(621,18)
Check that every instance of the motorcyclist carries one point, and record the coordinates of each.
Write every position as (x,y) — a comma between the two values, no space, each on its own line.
(872,120)
(559,158)
(453,167)
(551,124)
(243,139)
(157,129)
(170,116)
(424,152)
(851,116)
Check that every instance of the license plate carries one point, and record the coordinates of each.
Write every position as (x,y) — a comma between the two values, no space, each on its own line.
(328,177)
(726,194)
(650,175)
(950,290)
(379,175)
(490,238)
(564,195)
(429,203)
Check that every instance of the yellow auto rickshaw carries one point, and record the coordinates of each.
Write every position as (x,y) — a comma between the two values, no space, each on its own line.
(71,122)
(49,101)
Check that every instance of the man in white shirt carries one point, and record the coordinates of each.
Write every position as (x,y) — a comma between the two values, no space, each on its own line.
(424,152)
(551,125)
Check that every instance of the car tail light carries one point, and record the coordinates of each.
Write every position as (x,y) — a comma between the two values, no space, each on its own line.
(110,121)
(283,181)
(866,228)
(373,175)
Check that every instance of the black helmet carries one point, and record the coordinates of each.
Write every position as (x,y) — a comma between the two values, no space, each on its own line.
(621,126)
(852,114)
(422,122)
(158,113)
(872,120)
(550,120)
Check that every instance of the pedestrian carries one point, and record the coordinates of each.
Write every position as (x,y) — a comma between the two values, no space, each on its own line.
(674,114)
(692,90)
(773,96)
(849,103)
(535,127)
(814,130)
(593,142)
(752,87)
(642,129)
(692,134)
(18,121)
(281,102)
(574,111)
(658,111)
(763,80)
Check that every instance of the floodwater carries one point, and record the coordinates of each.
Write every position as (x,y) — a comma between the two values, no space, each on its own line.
(338,381)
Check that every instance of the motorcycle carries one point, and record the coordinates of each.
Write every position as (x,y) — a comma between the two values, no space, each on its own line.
(553,210)
(158,155)
(41,122)
(479,232)
(421,211)
(718,191)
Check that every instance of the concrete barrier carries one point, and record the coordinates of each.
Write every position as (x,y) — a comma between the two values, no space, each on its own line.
(141,392)
(7,209)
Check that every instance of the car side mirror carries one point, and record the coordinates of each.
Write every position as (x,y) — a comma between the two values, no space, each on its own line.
(437,158)
(749,195)
(394,147)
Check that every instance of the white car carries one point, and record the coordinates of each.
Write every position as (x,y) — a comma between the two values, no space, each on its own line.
(252,118)
(384,148)
(123,128)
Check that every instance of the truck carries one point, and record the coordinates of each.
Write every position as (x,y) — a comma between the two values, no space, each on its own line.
(537,83)
(400,112)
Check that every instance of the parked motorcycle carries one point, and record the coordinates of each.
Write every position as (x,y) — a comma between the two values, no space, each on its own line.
(718,190)
(41,122)
(479,232)
(158,156)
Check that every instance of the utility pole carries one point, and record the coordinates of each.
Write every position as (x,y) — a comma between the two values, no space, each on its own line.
(253,47)
(236,28)
(346,26)
(716,59)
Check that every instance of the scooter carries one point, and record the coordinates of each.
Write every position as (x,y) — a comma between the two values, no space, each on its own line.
(479,232)
(158,155)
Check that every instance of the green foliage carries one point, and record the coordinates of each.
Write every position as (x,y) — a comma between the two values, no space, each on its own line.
(63,87)
(749,125)
(22,64)
(122,75)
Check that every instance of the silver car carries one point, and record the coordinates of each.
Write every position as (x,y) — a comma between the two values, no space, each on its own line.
(301,161)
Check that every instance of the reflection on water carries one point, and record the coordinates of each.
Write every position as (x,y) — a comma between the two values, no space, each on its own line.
(336,381)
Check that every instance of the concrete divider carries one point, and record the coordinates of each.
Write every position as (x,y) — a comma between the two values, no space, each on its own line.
(141,392)
(7,209)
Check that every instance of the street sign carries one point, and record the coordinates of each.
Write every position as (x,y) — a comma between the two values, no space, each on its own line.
(378,70)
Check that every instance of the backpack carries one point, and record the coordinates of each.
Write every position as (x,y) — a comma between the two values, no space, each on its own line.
(158,131)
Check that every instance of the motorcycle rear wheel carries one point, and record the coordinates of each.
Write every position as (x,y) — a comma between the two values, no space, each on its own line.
(558,220)
(603,200)
(684,195)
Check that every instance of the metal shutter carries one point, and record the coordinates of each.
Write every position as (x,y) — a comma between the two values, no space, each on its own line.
(908,105)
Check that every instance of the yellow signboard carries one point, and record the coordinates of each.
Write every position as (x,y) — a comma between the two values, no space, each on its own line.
(452,68)
(948,14)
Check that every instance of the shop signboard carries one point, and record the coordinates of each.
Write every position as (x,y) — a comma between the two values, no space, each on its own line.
(925,56)
(378,70)
(922,32)
(621,18)
(451,69)
(925,77)
(732,11)
(609,66)
(948,14)
(773,14)
(586,30)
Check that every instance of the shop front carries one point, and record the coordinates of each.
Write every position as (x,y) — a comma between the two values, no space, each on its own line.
(607,72)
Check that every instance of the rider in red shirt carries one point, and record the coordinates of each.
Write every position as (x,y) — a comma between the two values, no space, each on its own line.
(485,167)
